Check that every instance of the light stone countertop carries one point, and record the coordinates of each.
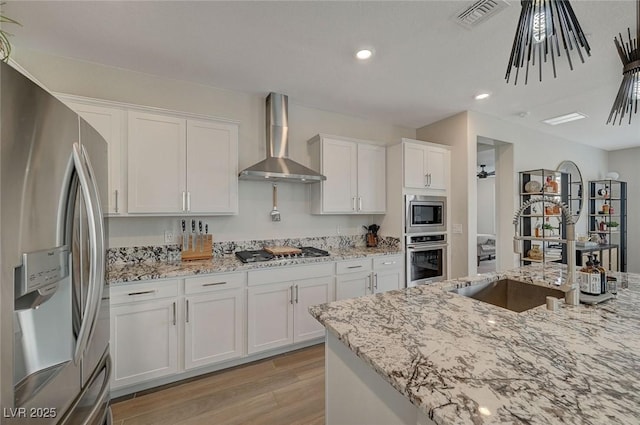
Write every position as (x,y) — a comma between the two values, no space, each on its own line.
(451,355)
(148,270)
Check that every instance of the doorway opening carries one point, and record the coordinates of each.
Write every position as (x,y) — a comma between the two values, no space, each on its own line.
(495,204)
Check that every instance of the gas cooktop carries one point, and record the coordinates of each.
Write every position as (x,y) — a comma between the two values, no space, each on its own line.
(262,255)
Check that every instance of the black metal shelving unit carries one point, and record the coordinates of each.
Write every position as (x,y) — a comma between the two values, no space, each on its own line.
(607,204)
(539,214)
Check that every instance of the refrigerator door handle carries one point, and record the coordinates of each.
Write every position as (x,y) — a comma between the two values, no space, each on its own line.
(96,247)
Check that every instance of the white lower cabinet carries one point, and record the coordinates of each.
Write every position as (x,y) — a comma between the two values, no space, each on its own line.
(310,292)
(277,305)
(356,278)
(213,328)
(144,332)
(172,327)
(153,326)
(388,273)
(270,316)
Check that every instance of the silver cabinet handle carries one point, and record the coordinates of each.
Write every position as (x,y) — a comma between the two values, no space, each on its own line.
(429,179)
(116,207)
(214,283)
(187,311)
(184,201)
(387,263)
(291,290)
(359,203)
(426,180)
(353,207)
(369,284)
(354,267)
(153,291)
(174,313)
(375,281)
(188,201)
(296,294)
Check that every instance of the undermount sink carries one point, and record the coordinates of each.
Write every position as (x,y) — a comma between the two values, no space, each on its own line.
(510,294)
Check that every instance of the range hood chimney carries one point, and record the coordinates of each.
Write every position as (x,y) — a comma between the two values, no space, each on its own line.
(278,166)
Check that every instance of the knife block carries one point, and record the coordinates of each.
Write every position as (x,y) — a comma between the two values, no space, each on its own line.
(203,248)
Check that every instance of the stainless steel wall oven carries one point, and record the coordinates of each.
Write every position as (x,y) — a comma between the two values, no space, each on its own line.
(426,258)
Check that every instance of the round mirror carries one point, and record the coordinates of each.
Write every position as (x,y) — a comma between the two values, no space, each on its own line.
(576,187)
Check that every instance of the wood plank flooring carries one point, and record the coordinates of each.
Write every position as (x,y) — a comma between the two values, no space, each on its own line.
(282,390)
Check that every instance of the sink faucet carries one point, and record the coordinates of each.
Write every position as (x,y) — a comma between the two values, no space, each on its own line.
(572,296)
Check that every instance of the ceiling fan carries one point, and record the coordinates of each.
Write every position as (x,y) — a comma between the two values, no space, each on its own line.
(483,174)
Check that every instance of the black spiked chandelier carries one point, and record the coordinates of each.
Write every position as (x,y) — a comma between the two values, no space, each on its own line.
(626,101)
(545,28)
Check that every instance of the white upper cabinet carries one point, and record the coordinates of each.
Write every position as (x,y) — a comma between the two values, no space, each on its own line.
(157,163)
(109,122)
(355,171)
(426,167)
(179,166)
(372,193)
(212,167)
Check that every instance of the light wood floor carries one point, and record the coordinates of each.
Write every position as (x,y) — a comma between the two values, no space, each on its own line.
(283,390)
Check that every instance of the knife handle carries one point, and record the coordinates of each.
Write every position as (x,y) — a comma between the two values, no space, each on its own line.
(184,226)
(193,226)
(200,226)
(206,229)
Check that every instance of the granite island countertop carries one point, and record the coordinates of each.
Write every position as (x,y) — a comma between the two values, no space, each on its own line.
(148,270)
(463,361)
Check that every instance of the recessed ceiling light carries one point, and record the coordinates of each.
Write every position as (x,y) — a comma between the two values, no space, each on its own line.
(364,54)
(482,96)
(565,118)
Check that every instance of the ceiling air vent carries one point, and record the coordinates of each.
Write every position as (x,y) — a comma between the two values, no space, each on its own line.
(479,12)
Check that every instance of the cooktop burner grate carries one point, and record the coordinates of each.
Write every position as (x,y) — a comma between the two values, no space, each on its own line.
(262,255)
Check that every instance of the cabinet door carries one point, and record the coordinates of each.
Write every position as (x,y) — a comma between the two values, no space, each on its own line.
(212,167)
(387,281)
(372,178)
(310,292)
(353,285)
(270,316)
(107,122)
(144,341)
(415,175)
(156,163)
(436,167)
(213,328)
(339,165)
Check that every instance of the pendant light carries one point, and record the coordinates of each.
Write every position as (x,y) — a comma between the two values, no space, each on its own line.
(545,27)
(626,101)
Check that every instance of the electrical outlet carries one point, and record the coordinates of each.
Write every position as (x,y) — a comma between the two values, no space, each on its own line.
(169,237)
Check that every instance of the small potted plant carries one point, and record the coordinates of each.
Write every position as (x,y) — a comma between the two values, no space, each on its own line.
(613,225)
(548,229)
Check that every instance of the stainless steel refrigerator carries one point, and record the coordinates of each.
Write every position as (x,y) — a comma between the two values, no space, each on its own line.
(54,307)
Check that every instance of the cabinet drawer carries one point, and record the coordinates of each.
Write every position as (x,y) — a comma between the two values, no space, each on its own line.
(214,282)
(144,291)
(388,262)
(288,274)
(351,266)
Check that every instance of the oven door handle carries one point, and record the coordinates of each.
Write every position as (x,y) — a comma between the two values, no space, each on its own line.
(427,247)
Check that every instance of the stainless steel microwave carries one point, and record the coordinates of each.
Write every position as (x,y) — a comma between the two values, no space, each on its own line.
(425,214)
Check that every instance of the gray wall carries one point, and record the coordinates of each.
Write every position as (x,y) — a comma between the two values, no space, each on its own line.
(626,163)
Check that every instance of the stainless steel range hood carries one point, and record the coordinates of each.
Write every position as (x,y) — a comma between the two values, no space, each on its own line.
(278,166)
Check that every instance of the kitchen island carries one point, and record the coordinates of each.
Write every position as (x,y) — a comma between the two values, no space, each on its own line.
(426,355)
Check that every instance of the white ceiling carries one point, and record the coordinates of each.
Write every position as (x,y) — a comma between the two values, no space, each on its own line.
(425,67)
